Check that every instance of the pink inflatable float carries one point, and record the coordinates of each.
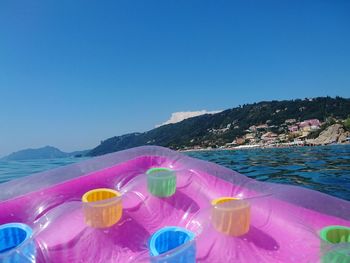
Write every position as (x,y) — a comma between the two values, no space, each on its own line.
(151,204)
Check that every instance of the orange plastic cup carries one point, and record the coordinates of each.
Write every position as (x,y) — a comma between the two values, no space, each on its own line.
(231,216)
(102,207)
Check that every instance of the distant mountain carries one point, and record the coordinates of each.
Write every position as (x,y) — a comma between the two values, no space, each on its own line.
(47,152)
(78,153)
(213,130)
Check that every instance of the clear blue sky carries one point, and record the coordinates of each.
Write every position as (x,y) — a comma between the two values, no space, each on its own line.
(73,73)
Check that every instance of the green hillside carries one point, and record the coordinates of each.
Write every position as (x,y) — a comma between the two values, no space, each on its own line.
(221,128)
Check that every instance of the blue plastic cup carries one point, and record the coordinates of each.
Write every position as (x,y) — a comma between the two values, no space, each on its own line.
(172,245)
(16,244)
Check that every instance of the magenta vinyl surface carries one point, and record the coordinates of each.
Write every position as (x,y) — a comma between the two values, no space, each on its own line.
(284,221)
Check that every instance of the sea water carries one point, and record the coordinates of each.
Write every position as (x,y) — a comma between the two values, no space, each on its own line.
(10,170)
(322,168)
(326,168)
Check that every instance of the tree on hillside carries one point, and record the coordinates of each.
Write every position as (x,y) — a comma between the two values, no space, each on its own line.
(347,124)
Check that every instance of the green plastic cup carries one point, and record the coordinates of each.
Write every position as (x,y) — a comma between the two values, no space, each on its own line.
(161,182)
(332,235)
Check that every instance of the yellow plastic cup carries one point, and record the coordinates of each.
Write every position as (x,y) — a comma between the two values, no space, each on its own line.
(231,216)
(102,207)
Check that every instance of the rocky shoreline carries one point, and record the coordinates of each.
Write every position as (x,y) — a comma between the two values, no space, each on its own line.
(332,135)
(248,147)
(335,133)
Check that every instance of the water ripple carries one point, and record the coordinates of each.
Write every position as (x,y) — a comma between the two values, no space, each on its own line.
(10,170)
(326,168)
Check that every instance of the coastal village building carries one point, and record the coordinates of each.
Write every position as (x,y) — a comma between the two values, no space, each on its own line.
(293,128)
(282,137)
(251,137)
(252,128)
(290,121)
(262,127)
(305,126)
(269,137)
(290,132)
(240,141)
(315,123)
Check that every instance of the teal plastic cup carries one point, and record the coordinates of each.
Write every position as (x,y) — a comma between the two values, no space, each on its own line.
(161,182)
